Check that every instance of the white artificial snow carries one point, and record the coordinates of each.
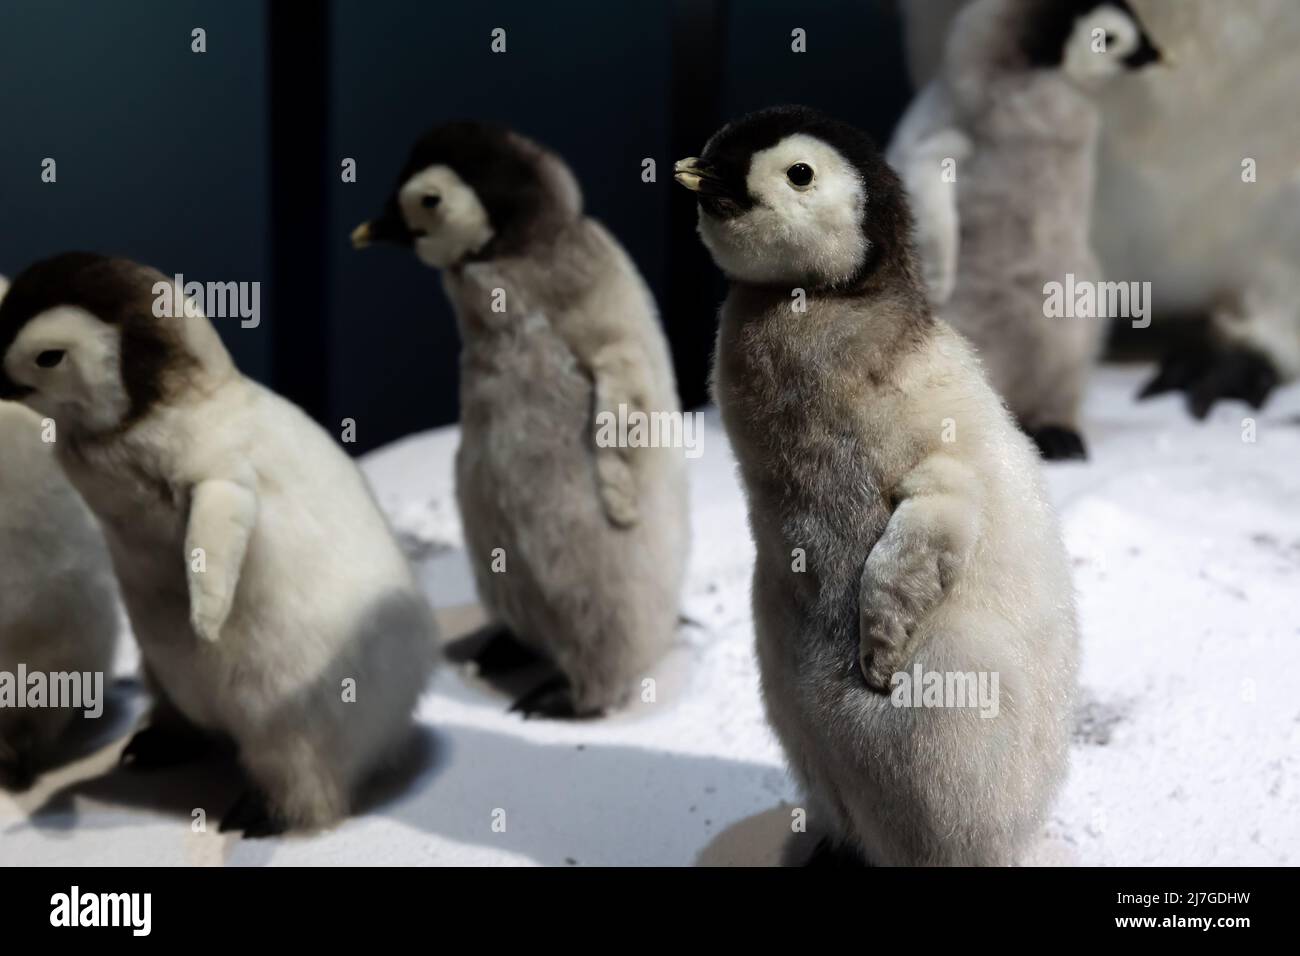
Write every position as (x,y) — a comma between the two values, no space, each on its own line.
(1186,545)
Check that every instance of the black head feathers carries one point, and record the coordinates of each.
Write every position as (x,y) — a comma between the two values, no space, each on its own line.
(887,223)
(1049,23)
(507,173)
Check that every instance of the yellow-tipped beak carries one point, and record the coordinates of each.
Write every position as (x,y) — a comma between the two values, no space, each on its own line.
(686,171)
(361,236)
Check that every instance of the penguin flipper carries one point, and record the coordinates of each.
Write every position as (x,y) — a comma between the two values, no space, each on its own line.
(925,547)
(934,204)
(618,396)
(618,492)
(223,513)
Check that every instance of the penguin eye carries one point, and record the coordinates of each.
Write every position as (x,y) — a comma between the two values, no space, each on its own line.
(800,175)
(430,201)
(1108,39)
(50,358)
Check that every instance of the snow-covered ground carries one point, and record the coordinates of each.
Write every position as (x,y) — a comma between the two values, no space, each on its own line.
(1186,546)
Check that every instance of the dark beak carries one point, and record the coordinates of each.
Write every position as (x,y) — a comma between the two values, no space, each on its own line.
(1145,54)
(700,177)
(11,391)
(387,228)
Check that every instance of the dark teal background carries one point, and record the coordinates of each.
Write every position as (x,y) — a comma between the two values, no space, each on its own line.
(161,152)
(164,155)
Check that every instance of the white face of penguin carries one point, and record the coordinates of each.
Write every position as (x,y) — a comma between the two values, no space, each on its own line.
(69,360)
(805,220)
(1101,40)
(445,216)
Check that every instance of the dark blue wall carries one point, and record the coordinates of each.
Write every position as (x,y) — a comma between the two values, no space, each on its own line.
(853,67)
(161,152)
(587,78)
(165,155)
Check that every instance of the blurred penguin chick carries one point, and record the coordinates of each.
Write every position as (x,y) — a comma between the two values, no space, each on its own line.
(260,577)
(998,156)
(58,606)
(578,545)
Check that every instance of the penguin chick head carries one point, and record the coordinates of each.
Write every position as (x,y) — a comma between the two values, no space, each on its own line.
(1089,40)
(473,191)
(81,341)
(788,195)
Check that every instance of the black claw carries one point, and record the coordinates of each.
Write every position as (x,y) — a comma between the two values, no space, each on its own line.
(251,814)
(1059,443)
(1209,374)
(552,698)
(1178,370)
(502,654)
(162,745)
(18,769)
(18,773)
(828,853)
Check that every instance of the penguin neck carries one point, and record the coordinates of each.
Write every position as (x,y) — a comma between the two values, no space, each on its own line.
(886,310)
(208,362)
(541,272)
(889,270)
(558,210)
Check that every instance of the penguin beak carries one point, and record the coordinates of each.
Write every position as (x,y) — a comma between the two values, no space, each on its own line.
(699,177)
(1146,54)
(361,236)
(11,391)
(387,228)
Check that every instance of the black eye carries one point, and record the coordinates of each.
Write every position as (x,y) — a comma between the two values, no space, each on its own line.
(50,358)
(430,201)
(1108,39)
(800,174)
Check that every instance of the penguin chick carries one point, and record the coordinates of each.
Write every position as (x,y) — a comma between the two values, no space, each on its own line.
(578,547)
(899,516)
(271,604)
(58,606)
(998,156)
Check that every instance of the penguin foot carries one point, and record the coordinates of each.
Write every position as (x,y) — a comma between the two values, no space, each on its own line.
(251,814)
(831,854)
(17,759)
(18,773)
(1058,443)
(1209,373)
(163,745)
(502,654)
(552,698)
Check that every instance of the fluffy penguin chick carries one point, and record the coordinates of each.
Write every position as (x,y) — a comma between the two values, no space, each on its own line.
(899,516)
(258,573)
(1012,116)
(58,610)
(578,547)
